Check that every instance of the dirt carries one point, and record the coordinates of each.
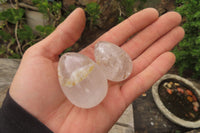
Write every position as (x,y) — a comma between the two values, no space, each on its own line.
(180,99)
(149,119)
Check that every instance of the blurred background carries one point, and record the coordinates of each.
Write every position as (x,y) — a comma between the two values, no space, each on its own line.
(25,22)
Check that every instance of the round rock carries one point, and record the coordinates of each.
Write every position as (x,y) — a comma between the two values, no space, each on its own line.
(81,80)
(114,61)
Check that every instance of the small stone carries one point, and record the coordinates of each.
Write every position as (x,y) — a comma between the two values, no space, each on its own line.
(195,109)
(164,125)
(169,91)
(81,80)
(188,92)
(169,85)
(165,84)
(144,94)
(34,19)
(194,98)
(115,62)
(176,84)
(192,115)
(180,90)
(196,104)
(152,123)
(189,98)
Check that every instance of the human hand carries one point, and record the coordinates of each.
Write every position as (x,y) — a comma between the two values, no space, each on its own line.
(36,88)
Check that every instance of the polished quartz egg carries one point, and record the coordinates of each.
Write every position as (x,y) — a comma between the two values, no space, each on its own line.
(82,80)
(114,61)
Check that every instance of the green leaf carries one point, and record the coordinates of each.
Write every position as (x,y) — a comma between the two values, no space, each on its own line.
(188,51)
(43,6)
(128,6)
(56,7)
(5,36)
(12,15)
(39,28)
(93,9)
(26,33)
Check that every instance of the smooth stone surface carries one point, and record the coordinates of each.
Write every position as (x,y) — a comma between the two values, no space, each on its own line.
(114,61)
(81,80)
(34,19)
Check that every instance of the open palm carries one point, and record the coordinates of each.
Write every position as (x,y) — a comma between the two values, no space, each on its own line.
(36,88)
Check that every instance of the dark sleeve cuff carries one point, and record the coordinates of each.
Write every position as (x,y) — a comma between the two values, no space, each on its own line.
(14,119)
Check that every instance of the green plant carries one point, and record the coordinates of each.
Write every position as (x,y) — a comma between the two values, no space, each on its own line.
(127,6)
(52,10)
(188,51)
(93,10)
(25,34)
(4,36)
(16,36)
(125,9)
(12,15)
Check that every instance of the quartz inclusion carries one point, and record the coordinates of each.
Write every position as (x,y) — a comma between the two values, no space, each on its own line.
(81,80)
(115,62)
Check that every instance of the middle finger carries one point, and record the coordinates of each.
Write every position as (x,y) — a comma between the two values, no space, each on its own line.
(135,46)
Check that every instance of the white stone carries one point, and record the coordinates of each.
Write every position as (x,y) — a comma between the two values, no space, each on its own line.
(115,62)
(34,19)
(81,80)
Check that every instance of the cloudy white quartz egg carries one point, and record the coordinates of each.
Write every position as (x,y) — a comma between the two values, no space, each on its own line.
(114,61)
(82,80)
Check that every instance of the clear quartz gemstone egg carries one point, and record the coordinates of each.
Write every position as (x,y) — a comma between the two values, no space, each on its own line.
(81,80)
(114,61)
